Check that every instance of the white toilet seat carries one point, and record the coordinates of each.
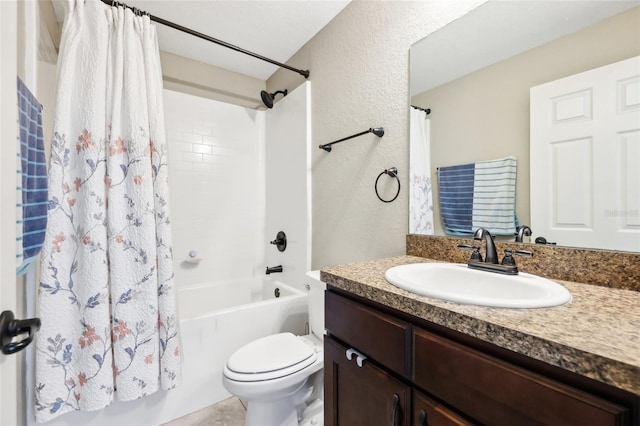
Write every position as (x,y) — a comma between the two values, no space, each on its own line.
(270,358)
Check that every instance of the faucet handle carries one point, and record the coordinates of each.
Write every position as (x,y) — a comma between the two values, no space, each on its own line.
(475,252)
(281,241)
(508,259)
(466,247)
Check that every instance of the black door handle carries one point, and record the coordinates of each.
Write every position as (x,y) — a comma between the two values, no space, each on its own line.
(11,327)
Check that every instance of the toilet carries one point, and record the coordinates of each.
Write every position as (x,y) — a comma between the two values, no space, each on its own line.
(280,376)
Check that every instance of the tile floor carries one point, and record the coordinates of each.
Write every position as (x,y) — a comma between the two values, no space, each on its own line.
(230,412)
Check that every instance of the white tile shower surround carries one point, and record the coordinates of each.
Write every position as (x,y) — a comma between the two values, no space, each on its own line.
(216,157)
(230,412)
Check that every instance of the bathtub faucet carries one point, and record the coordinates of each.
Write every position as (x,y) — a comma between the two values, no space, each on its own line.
(272,269)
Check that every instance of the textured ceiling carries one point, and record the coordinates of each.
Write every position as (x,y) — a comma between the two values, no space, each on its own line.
(275,29)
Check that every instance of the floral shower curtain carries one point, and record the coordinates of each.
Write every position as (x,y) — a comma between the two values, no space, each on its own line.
(107,303)
(420,191)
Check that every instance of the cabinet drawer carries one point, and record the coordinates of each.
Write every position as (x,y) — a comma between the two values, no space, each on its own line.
(498,393)
(426,411)
(379,336)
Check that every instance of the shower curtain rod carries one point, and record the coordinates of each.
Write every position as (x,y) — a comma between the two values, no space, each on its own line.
(426,110)
(304,73)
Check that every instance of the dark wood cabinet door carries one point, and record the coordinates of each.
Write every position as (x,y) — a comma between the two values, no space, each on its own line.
(366,395)
(427,412)
(498,393)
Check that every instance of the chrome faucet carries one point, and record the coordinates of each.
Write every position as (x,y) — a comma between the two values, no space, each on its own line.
(491,256)
(521,232)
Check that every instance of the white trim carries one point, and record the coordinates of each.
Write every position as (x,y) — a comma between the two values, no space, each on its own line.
(8,151)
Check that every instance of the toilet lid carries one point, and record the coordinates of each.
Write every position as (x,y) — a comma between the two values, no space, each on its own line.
(271,353)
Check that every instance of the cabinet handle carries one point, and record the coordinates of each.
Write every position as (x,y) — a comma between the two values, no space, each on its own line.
(359,357)
(394,414)
(350,353)
(422,419)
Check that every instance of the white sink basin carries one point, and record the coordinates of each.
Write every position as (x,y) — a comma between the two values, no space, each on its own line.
(457,283)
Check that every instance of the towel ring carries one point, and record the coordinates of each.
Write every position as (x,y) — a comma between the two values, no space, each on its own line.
(393,172)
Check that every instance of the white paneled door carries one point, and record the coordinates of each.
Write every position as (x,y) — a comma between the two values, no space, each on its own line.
(585,158)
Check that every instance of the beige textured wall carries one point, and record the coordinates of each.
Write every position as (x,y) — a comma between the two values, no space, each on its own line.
(485,115)
(359,79)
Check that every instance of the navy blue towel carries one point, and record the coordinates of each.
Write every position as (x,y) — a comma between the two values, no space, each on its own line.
(456,198)
(32,180)
(479,195)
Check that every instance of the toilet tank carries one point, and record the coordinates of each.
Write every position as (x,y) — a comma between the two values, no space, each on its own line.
(315,289)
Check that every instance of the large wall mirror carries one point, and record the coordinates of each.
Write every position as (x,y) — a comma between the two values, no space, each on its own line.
(475,75)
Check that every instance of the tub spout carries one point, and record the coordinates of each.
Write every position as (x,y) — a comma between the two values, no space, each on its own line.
(272,269)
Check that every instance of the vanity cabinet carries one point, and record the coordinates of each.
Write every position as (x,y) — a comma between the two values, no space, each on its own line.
(411,373)
(366,395)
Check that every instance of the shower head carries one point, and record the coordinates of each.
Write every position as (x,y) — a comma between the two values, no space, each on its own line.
(378,131)
(267,98)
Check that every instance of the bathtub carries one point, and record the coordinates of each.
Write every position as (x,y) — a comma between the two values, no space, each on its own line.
(240,295)
(215,320)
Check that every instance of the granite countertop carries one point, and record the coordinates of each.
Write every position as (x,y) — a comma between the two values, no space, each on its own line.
(596,335)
